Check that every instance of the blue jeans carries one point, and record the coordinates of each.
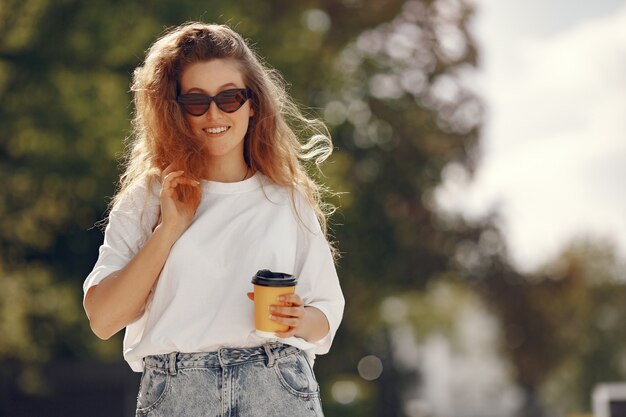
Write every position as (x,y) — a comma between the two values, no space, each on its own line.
(272,380)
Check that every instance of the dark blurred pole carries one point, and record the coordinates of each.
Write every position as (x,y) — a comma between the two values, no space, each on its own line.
(389,381)
(531,407)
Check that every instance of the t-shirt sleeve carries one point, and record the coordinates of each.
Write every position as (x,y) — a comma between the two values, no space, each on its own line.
(130,224)
(318,283)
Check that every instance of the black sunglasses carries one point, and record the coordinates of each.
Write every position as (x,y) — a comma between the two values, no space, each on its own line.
(229,101)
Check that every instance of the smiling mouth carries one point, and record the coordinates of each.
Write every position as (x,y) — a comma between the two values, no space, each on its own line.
(215,130)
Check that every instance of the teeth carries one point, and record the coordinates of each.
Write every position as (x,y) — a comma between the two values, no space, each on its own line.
(216,129)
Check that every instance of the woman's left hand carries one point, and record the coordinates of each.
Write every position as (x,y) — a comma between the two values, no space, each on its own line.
(290,313)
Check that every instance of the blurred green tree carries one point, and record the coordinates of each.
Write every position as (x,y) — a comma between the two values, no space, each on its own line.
(562,324)
(401,115)
(64,74)
(388,78)
(593,314)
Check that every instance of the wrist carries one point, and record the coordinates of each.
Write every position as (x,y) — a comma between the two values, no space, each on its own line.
(314,325)
(302,331)
(166,234)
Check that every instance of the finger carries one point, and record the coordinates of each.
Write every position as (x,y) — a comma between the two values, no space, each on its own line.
(168,190)
(182,180)
(173,174)
(250,295)
(285,335)
(287,311)
(169,177)
(294,299)
(175,180)
(291,322)
(167,170)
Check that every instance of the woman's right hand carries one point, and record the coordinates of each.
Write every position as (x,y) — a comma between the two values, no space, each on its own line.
(121,297)
(176,215)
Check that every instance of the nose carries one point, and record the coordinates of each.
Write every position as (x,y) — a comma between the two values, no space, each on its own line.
(213,112)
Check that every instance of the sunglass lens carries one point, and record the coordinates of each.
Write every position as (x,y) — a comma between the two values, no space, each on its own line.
(230,100)
(196,104)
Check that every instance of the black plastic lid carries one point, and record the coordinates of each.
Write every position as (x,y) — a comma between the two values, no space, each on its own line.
(267,278)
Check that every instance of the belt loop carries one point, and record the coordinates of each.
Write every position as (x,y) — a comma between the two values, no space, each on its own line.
(220,357)
(171,363)
(270,355)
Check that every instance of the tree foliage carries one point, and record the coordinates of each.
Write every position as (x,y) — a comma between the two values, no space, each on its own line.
(562,325)
(386,76)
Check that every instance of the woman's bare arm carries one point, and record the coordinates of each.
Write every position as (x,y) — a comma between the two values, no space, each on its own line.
(120,298)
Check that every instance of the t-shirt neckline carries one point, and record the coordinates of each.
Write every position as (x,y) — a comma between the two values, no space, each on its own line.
(249,184)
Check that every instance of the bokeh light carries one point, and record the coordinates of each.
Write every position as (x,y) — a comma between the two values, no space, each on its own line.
(345,392)
(370,367)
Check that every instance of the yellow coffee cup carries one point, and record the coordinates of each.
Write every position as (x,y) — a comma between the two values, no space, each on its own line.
(268,286)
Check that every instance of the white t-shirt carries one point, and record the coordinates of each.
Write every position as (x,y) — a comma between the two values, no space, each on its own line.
(199,302)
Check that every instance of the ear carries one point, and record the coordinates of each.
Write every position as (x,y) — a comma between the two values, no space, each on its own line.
(251,110)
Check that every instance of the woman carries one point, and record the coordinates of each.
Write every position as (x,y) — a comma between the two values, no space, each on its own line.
(215,190)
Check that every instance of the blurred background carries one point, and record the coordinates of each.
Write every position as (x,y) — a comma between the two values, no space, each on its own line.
(480,156)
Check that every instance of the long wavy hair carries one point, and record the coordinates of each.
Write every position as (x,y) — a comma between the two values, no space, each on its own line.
(161,136)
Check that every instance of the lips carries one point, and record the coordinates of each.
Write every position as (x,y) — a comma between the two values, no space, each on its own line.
(215,130)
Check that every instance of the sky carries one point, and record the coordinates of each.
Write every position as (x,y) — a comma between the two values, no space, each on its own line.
(553,147)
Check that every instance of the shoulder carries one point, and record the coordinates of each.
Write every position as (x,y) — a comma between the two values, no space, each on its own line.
(305,211)
(296,198)
(274,193)
(139,195)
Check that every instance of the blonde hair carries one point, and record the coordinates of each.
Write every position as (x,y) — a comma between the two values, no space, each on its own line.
(161,135)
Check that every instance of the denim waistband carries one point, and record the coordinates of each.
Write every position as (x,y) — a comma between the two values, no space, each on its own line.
(223,357)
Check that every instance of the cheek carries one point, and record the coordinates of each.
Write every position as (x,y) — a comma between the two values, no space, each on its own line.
(192,122)
(245,124)
(246,118)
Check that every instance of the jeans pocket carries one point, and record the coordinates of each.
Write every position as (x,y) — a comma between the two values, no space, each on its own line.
(296,375)
(152,389)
